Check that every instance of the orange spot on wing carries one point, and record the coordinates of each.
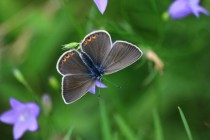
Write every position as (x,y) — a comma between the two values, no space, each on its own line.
(89,39)
(93,36)
(64,60)
(67,56)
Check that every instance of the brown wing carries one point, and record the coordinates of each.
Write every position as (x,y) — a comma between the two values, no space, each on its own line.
(97,45)
(75,86)
(121,55)
(70,62)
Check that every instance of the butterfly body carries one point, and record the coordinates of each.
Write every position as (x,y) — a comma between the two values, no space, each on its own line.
(96,71)
(99,56)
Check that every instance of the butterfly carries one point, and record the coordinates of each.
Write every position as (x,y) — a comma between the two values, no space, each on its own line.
(98,57)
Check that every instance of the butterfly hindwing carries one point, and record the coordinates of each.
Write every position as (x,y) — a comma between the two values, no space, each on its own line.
(121,55)
(75,86)
(70,62)
(97,45)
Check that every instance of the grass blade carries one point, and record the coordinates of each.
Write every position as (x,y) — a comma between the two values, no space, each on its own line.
(187,128)
(157,124)
(68,135)
(106,131)
(124,128)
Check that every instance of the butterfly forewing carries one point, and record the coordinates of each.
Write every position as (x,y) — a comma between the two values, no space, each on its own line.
(71,63)
(75,86)
(121,55)
(97,45)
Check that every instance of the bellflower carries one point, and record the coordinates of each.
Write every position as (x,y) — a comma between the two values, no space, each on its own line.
(101,5)
(98,84)
(182,8)
(23,116)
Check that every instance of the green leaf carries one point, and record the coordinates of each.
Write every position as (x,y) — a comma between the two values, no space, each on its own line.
(70,45)
(186,126)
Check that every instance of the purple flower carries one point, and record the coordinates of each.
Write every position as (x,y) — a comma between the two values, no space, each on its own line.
(23,116)
(98,84)
(101,4)
(182,8)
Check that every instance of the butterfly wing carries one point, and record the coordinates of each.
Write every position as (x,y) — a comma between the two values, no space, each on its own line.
(70,62)
(75,86)
(97,45)
(121,55)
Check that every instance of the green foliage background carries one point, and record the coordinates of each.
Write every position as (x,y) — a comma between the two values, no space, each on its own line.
(145,108)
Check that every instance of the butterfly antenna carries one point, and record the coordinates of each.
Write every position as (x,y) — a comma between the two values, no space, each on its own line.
(112,83)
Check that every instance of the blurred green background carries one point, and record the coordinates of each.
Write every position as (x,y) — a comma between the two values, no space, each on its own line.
(174,70)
